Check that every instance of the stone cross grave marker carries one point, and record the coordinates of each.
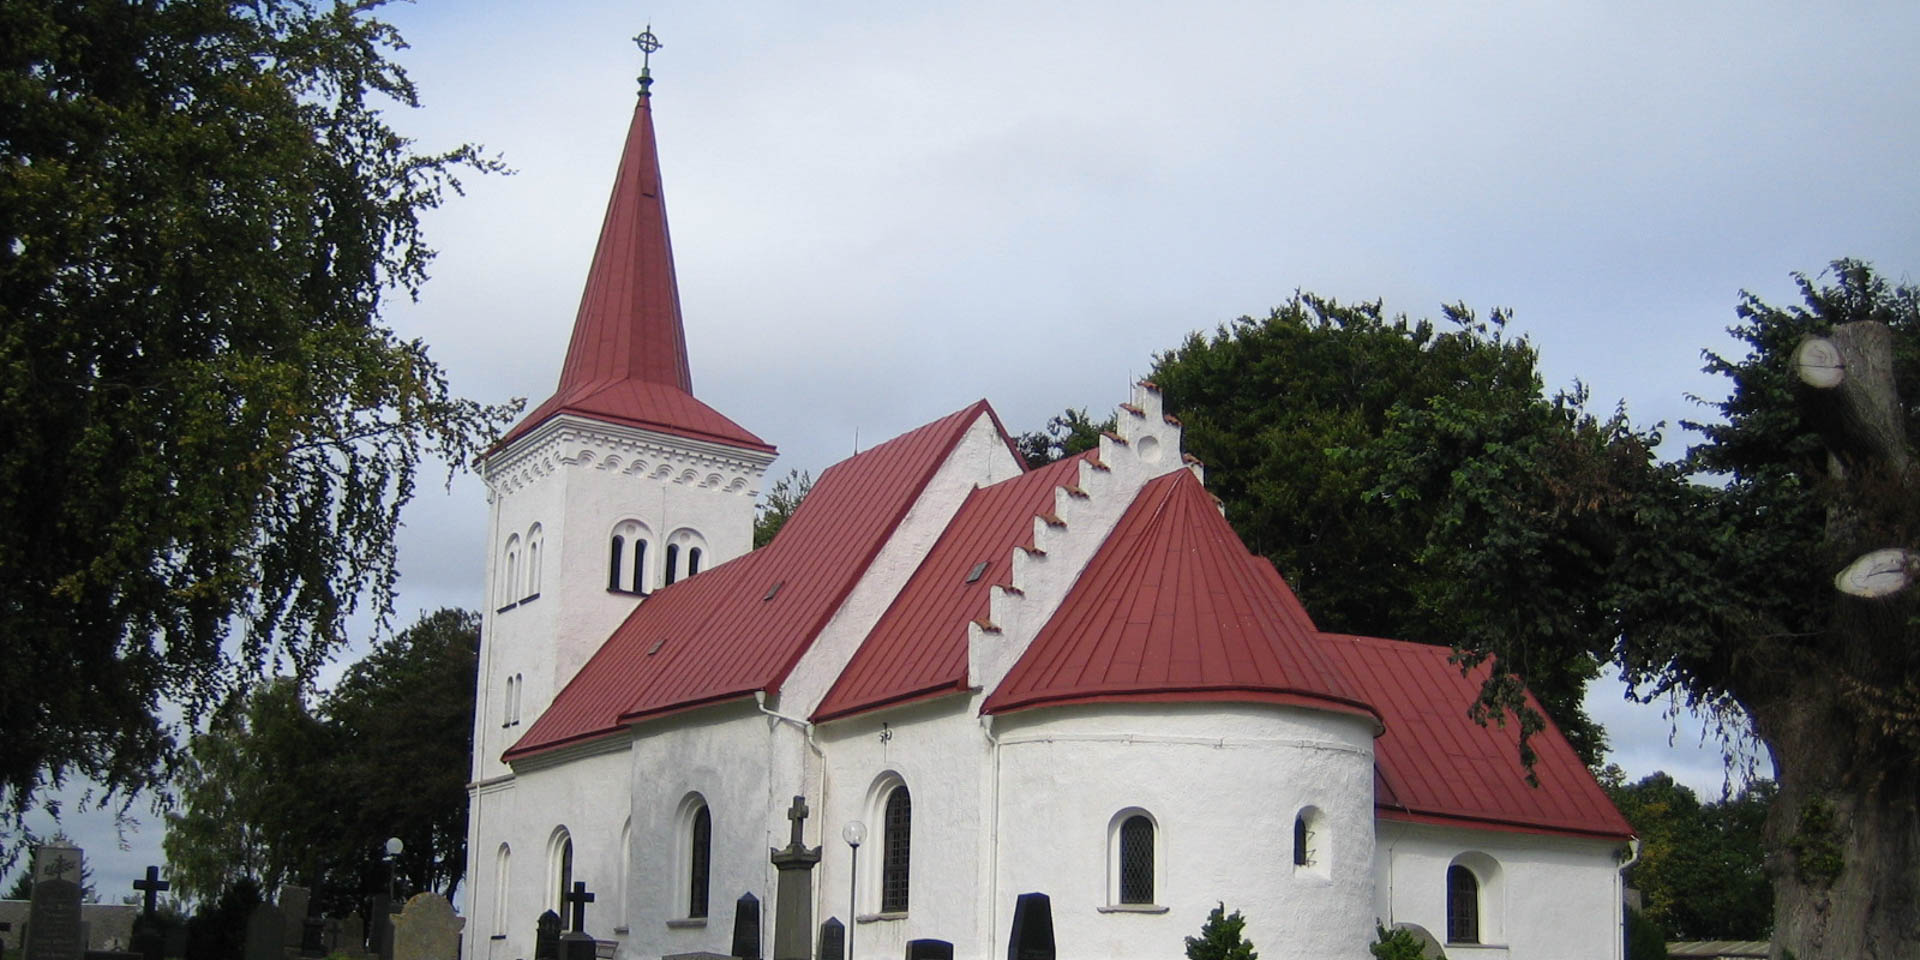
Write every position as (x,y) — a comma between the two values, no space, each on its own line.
(1032,936)
(793,895)
(746,928)
(833,940)
(149,941)
(266,933)
(576,943)
(427,929)
(53,916)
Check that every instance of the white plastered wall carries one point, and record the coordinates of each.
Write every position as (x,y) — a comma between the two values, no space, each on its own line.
(587,795)
(1223,782)
(1550,897)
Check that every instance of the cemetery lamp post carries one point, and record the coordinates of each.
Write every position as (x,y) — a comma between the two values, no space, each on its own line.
(394,846)
(853,833)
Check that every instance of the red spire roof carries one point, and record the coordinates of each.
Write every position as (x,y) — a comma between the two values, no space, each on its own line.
(627,361)
(1173,608)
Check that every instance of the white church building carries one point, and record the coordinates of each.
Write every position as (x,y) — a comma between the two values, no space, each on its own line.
(1074,680)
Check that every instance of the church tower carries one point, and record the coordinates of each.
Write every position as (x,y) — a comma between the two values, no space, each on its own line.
(617,485)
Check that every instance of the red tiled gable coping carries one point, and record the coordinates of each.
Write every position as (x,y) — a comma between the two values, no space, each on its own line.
(1172,607)
(918,648)
(716,636)
(1434,764)
(627,361)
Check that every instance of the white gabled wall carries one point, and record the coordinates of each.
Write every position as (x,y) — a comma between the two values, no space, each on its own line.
(1544,896)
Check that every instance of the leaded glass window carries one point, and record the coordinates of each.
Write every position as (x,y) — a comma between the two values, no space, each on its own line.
(899,851)
(1463,905)
(1136,860)
(700,863)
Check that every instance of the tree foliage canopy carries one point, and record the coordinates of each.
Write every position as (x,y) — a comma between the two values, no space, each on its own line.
(1702,867)
(206,433)
(1350,447)
(277,792)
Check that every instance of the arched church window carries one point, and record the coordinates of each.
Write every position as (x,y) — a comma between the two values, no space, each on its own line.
(534,550)
(693,561)
(897,852)
(510,574)
(613,562)
(699,861)
(1136,856)
(500,863)
(560,874)
(1463,905)
(673,562)
(1300,840)
(639,566)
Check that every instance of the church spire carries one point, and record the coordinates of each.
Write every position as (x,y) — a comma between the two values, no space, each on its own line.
(627,361)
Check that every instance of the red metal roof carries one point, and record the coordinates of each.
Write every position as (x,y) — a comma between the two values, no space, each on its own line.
(919,646)
(1173,607)
(1434,764)
(627,361)
(727,632)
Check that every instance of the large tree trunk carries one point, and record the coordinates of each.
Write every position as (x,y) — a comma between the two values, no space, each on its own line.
(1843,834)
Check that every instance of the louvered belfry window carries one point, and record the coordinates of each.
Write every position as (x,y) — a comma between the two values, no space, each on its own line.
(1136,860)
(1463,905)
(700,863)
(899,852)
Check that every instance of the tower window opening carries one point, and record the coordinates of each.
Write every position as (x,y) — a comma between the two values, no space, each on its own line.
(673,562)
(613,563)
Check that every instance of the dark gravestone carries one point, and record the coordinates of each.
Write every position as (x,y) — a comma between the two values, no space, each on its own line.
(1032,937)
(546,936)
(746,928)
(929,950)
(576,944)
(53,916)
(381,927)
(353,935)
(266,933)
(833,940)
(793,897)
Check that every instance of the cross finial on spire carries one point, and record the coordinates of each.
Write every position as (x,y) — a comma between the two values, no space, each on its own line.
(647,43)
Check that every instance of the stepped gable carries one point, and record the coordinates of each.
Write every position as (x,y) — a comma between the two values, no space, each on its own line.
(727,631)
(1172,608)
(627,361)
(918,648)
(1434,764)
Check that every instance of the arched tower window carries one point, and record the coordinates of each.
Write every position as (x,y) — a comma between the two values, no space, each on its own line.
(693,561)
(618,553)
(673,562)
(639,579)
(627,557)
(1300,857)
(1463,905)
(535,548)
(510,572)
(897,853)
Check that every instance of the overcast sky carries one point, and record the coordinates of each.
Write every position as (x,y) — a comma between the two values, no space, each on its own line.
(883,212)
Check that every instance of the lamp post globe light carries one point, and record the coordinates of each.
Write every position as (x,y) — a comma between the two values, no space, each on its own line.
(853,833)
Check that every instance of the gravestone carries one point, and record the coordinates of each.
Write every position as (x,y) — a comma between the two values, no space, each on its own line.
(353,935)
(546,936)
(427,929)
(929,950)
(53,917)
(576,943)
(833,940)
(381,927)
(266,933)
(1032,936)
(746,928)
(301,936)
(793,897)
(149,939)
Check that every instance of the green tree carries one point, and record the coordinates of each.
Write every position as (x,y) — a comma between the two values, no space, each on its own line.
(1073,431)
(1220,938)
(1702,866)
(254,796)
(783,498)
(205,428)
(1766,580)
(1305,416)
(403,717)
